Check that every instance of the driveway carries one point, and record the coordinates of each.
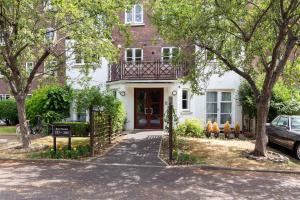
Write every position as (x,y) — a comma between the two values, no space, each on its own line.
(139,148)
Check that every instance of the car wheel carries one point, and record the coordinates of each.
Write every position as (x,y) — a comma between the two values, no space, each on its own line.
(297,151)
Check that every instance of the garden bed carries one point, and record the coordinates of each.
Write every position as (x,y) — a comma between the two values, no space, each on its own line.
(222,152)
(42,148)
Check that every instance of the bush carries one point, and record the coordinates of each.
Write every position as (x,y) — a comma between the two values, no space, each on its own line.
(190,127)
(52,103)
(80,129)
(64,153)
(9,112)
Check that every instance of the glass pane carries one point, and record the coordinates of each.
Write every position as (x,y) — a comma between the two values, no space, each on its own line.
(184,94)
(141,102)
(138,13)
(283,121)
(212,97)
(212,108)
(226,96)
(295,123)
(166,54)
(155,96)
(142,121)
(138,53)
(129,16)
(225,107)
(225,118)
(212,117)
(184,104)
(129,55)
(155,120)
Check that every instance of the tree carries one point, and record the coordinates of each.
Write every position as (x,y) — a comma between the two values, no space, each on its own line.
(8,111)
(35,30)
(52,103)
(248,37)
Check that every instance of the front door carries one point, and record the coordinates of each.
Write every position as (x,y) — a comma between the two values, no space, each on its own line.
(148,108)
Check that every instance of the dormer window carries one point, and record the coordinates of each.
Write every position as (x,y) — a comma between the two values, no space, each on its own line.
(135,15)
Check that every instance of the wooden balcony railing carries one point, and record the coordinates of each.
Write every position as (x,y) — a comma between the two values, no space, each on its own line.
(146,70)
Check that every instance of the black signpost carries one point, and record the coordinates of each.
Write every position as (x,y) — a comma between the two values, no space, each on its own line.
(61,131)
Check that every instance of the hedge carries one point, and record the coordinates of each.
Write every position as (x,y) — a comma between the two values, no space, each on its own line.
(79,129)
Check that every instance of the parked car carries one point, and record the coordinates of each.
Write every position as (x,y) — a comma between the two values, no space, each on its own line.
(284,130)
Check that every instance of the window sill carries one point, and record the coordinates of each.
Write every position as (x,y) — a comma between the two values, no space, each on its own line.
(135,24)
(186,112)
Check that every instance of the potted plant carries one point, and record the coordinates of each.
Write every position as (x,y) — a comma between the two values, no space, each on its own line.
(237,130)
(209,129)
(227,129)
(216,129)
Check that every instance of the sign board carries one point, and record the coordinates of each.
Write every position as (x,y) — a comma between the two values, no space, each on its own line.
(61,131)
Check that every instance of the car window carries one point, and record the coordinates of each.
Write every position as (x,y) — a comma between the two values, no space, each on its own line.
(295,123)
(274,122)
(283,121)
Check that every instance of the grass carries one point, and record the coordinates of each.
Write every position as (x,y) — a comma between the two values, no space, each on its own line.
(229,153)
(7,130)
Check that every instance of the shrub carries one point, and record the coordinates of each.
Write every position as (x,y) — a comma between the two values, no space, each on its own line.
(52,103)
(227,129)
(8,111)
(190,127)
(80,129)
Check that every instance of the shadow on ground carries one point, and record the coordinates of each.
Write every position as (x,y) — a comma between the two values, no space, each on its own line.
(75,180)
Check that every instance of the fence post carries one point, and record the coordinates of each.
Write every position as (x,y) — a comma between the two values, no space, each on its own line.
(109,128)
(170,110)
(92,128)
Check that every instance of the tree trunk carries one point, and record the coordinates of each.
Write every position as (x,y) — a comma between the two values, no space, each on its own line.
(20,99)
(261,136)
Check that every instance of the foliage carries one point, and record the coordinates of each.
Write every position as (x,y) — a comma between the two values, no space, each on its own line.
(209,127)
(64,153)
(167,118)
(215,128)
(8,111)
(52,103)
(79,129)
(190,127)
(284,100)
(94,98)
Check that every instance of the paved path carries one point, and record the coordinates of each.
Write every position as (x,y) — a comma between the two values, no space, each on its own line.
(140,148)
(74,180)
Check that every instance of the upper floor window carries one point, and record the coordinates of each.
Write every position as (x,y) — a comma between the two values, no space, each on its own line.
(50,34)
(29,66)
(185,99)
(135,15)
(168,53)
(2,41)
(133,55)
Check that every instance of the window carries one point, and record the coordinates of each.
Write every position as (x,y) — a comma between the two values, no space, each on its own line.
(1,97)
(275,121)
(168,53)
(7,96)
(226,107)
(295,123)
(29,66)
(283,121)
(219,107)
(185,99)
(135,15)
(50,34)
(133,55)
(53,67)
(2,41)
(212,106)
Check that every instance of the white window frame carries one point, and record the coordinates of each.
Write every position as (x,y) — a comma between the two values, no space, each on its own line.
(27,66)
(171,53)
(48,30)
(133,54)
(219,102)
(133,14)
(7,96)
(187,99)
(1,97)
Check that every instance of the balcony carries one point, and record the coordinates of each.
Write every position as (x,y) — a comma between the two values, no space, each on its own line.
(145,70)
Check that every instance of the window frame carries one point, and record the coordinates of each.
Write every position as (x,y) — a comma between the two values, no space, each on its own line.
(27,67)
(187,99)
(134,55)
(133,15)
(49,30)
(1,97)
(219,103)
(2,40)
(171,53)
(7,96)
